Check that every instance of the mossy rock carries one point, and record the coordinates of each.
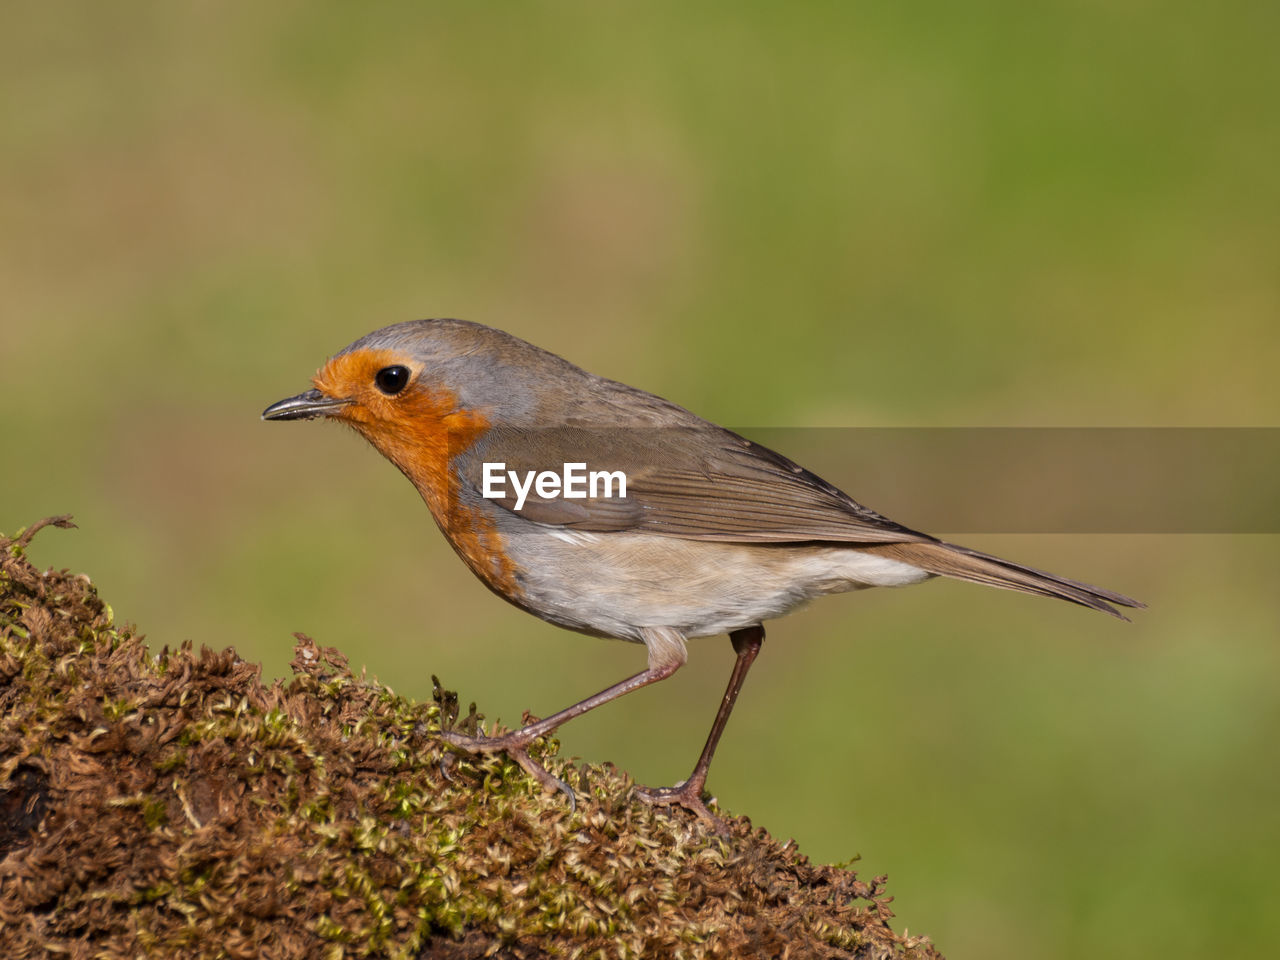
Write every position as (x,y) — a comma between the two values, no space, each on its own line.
(170,804)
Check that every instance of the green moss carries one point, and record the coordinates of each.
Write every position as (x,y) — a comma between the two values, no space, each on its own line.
(220,817)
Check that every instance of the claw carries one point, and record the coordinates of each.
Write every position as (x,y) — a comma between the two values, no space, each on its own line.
(688,795)
(515,745)
(446,765)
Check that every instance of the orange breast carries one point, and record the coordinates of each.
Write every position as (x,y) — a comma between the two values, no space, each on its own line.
(423,431)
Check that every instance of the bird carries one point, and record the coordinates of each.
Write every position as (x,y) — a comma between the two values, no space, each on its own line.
(610,511)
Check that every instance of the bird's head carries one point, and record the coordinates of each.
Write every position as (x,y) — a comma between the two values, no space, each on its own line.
(402,388)
(423,391)
(404,370)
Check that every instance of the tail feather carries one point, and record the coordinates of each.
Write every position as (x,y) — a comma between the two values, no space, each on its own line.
(961,563)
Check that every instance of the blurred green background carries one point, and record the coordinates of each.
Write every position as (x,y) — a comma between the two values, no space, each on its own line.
(779,215)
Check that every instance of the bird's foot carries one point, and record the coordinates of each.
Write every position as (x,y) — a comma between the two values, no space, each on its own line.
(688,795)
(516,746)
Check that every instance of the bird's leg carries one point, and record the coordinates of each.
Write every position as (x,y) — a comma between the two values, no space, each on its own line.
(746,644)
(516,743)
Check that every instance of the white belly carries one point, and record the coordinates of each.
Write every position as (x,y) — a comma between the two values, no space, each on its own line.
(618,584)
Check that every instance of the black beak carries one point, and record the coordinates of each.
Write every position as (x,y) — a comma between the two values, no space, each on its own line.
(305,406)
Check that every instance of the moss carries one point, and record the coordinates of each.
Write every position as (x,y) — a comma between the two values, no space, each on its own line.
(174,805)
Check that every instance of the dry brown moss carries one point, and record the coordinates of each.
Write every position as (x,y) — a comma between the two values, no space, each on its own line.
(172,805)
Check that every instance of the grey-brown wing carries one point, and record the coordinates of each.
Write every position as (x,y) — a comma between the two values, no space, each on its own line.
(702,483)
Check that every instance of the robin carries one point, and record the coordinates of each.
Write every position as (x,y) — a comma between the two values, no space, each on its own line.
(611,511)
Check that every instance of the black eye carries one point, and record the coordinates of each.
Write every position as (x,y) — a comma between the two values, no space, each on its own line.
(391,380)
